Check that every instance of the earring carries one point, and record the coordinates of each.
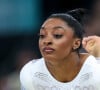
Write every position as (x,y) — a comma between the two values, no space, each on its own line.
(74,48)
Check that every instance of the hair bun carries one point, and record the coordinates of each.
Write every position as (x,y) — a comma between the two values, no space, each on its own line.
(80,14)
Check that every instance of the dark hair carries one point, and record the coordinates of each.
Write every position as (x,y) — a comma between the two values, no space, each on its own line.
(72,22)
(81,15)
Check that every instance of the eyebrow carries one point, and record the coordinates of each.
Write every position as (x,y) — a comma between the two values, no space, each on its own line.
(59,27)
(42,28)
(56,27)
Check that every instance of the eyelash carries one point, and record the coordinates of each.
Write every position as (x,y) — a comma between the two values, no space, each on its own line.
(41,36)
(57,36)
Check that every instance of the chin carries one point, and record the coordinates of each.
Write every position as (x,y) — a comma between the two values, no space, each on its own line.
(49,57)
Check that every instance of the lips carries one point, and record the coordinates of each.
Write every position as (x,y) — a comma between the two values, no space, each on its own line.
(48,50)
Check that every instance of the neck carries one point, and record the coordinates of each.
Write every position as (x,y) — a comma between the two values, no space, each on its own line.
(67,69)
(67,62)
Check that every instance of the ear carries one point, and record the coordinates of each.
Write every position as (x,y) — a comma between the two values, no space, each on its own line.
(76,43)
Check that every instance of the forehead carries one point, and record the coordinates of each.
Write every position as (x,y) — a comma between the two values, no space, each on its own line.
(54,21)
(56,24)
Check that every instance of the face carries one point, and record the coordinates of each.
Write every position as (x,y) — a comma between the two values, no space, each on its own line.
(56,39)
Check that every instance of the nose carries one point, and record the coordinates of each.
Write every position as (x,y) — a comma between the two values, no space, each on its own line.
(47,41)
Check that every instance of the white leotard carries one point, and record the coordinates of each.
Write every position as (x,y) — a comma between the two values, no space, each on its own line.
(35,76)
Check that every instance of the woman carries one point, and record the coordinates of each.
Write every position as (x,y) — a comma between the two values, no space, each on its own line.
(61,67)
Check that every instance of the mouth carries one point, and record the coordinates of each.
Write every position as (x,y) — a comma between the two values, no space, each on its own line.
(48,50)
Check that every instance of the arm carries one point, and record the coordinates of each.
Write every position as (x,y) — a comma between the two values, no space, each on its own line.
(26,77)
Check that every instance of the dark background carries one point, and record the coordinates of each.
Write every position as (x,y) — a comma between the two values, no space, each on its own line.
(51,6)
(12,45)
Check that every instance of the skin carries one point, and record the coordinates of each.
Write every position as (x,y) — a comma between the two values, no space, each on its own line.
(56,45)
(92,45)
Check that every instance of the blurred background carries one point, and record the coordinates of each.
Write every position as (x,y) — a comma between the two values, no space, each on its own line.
(20,21)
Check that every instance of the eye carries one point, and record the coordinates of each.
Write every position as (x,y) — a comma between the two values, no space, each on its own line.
(57,36)
(41,36)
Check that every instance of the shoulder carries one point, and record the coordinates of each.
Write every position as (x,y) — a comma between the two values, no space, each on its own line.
(26,73)
(93,64)
(85,57)
(91,68)
(91,61)
(28,67)
(90,64)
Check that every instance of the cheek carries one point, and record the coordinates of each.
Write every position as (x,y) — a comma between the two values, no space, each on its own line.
(40,44)
(65,44)
(63,48)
